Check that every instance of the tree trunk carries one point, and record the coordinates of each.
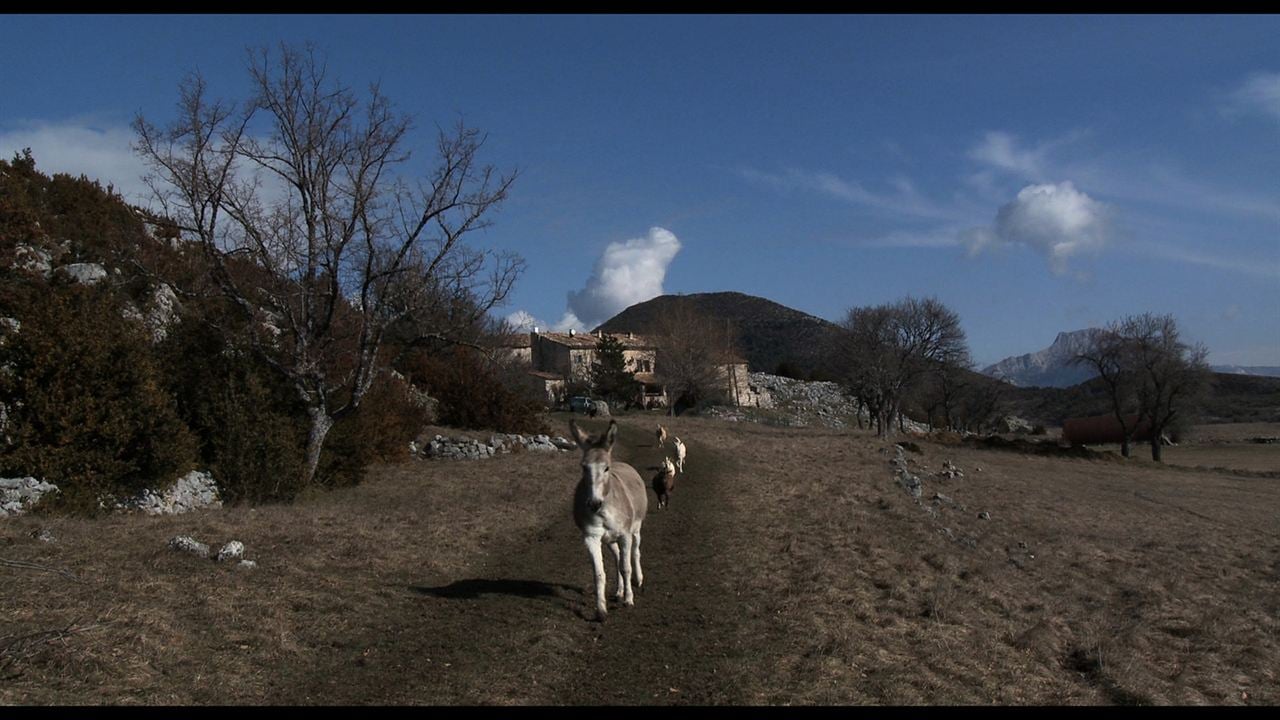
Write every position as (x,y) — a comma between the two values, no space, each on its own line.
(1124,446)
(1157,448)
(320,426)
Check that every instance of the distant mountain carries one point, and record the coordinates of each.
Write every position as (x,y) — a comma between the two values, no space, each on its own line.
(1050,367)
(768,333)
(1258,370)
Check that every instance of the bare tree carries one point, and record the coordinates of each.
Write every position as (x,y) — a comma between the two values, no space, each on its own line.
(692,352)
(944,387)
(1108,353)
(1171,373)
(302,183)
(1151,375)
(885,349)
(979,402)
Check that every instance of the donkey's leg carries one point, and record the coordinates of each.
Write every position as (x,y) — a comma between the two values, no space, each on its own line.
(597,566)
(617,564)
(635,554)
(627,546)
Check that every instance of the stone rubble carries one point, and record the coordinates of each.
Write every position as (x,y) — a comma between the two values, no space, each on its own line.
(186,543)
(17,495)
(460,448)
(84,273)
(194,491)
(233,550)
(32,260)
(800,403)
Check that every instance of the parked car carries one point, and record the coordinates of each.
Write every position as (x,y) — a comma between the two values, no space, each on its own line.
(581,404)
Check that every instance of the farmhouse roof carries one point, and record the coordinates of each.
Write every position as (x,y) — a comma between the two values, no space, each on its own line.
(588,341)
(514,340)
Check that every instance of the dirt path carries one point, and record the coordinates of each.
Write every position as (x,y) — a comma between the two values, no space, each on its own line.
(518,630)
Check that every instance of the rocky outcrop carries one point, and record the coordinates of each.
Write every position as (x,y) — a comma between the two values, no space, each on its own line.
(194,491)
(162,312)
(33,260)
(1050,367)
(1013,424)
(799,403)
(84,273)
(17,495)
(461,448)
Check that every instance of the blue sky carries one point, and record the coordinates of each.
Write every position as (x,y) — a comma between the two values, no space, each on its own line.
(1035,173)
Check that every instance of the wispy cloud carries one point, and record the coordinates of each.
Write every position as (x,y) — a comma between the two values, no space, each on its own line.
(1259,93)
(1004,152)
(902,199)
(78,147)
(1000,150)
(943,237)
(1247,266)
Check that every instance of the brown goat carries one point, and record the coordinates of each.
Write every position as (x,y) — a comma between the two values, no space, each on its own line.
(664,482)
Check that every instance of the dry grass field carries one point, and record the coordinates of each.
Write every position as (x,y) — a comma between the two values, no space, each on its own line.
(788,569)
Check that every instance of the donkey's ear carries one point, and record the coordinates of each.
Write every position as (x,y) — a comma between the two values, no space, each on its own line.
(579,436)
(610,436)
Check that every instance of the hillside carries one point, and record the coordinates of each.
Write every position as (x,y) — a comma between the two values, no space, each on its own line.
(1230,398)
(768,333)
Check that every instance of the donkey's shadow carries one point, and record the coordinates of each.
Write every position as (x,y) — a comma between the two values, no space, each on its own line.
(473,588)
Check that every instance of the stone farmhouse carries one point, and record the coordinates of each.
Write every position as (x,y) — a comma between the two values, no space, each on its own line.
(556,360)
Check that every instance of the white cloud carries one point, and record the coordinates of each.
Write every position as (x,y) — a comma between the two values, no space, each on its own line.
(627,273)
(1057,220)
(75,148)
(568,322)
(1259,93)
(523,321)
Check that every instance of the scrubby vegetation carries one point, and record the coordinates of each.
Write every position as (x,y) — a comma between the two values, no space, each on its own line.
(102,396)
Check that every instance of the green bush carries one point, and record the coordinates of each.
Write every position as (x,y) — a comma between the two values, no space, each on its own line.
(378,431)
(87,407)
(474,394)
(250,424)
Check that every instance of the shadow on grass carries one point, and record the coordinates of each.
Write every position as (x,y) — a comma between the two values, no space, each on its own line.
(473,588)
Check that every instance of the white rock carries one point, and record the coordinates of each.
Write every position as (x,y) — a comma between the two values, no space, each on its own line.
(233,550)
(186,543)
(85,273)
(31,259)
(163,312)
(246,564)
(19,494)
(194,491)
